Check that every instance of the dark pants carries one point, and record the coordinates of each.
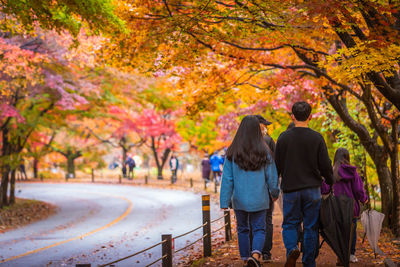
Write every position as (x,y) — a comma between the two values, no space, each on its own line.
(217,176)
(257,222)
(353,242)
(269,231)
(303,204)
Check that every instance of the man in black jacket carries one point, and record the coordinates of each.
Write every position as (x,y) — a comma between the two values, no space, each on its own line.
(266,252)
(301,159)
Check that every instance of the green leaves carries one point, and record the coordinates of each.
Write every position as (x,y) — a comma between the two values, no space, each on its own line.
(65,15)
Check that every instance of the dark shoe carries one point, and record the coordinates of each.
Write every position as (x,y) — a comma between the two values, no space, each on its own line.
(252,262)
(339,263)
(292,258)
(266,258)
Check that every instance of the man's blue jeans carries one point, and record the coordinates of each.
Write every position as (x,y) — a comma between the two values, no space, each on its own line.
(257,221)
(303,204)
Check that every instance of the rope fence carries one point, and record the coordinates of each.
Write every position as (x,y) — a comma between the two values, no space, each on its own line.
(133,255)
(167,243)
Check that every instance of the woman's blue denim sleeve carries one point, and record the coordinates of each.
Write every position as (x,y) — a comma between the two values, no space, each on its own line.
(226,185)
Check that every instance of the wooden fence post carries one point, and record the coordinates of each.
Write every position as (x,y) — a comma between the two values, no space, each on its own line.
(191,182)
(92,175)
(146,179)
(167,250)
(207,226)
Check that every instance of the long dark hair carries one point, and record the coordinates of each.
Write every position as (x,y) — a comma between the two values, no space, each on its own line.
(248,148)
(342,156)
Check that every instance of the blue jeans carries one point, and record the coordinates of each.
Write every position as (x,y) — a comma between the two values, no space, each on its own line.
(353,242)
(303,204)
(257,221)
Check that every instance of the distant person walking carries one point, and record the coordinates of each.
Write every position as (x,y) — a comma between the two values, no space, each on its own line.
(174,165)
(206,168)
(22,170)
(216,162)
(347,182)
(301,158)
(131,165)
(249,177)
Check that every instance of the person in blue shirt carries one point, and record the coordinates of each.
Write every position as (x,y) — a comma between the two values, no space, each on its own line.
(249,177)
(216,161)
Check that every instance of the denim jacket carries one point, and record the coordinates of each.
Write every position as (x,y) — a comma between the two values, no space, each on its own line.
(248,190)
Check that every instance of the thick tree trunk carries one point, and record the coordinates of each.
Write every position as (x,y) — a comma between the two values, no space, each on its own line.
(385,184)
(159,172)
(35,167)
(71,165)
(12,187)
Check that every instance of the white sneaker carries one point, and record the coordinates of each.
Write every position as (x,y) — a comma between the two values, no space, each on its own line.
(353,258)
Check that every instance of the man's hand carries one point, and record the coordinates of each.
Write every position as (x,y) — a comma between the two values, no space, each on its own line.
(224,209)
(274,199)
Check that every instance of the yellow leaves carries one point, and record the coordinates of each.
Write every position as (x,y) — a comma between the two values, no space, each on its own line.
(351,64)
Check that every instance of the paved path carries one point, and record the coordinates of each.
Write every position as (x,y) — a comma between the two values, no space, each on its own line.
(100,223)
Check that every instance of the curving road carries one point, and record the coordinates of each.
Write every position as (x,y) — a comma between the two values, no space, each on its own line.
(100,223)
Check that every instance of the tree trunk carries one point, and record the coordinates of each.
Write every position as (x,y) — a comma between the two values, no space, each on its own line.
(70,165)
(35,167)
(159,172)
(385,184)
(124,156)
(12,187)
(394,166)
(5,167)
(155,154)
(4,186)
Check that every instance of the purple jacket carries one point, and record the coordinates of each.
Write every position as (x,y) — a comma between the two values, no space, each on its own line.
(205,168)
(349,185)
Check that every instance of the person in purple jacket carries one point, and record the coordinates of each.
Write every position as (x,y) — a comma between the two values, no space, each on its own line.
(347,182)
(206,168)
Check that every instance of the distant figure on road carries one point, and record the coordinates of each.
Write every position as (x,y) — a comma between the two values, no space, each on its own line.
(249,178)
(174,165)
(216,161)
(131,165)
(22,170)
(206,168)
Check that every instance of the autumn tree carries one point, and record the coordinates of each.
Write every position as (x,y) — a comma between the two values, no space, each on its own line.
(158,129)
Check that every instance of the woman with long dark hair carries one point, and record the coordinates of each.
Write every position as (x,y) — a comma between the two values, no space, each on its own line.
(347,182)
(249,176)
